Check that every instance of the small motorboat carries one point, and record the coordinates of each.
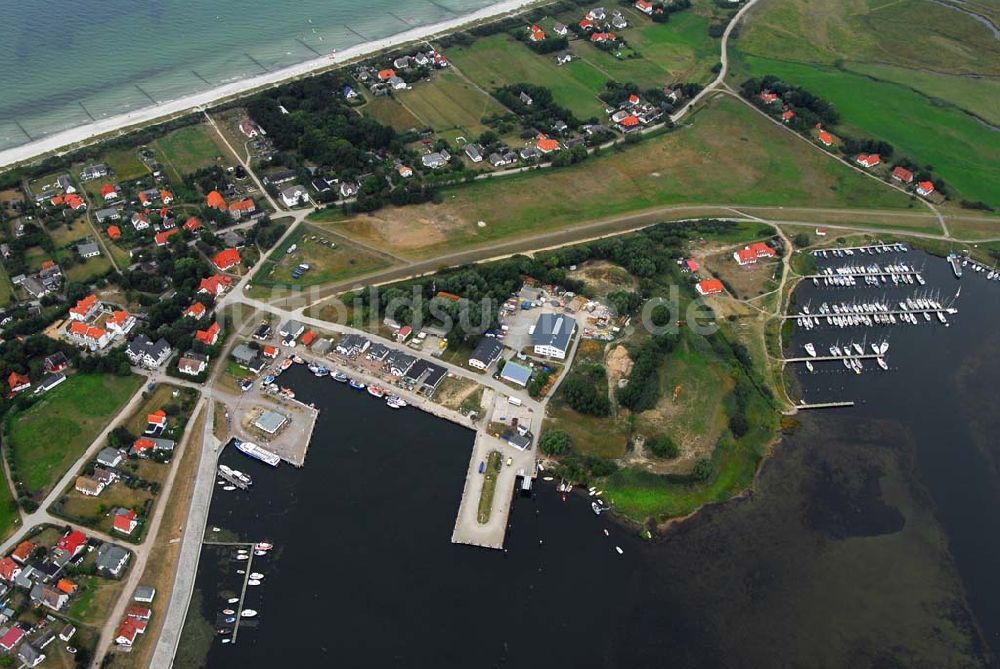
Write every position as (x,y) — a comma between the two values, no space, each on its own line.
(357,385)
(229,619)
(242,556)
(339,377)
(547,478)
(259,553)
(375,391)
(606,533)
(286,363)
(597,508)
(241,571)
(248,613)
(253,581)
(619,549)
(227,641)
(257,575)
(297,360)
(232,600)
(229,487)
(228,612)
(263,546)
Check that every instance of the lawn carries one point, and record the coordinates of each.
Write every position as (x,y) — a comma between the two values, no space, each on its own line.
(326,264)
(728,155)
(499,60)
(449,102)
(388,111)
(161,396)
(963,152)
(6,287)
(189,149)
(95,512)
(70,232)
(84,272)
(53,433)
(124,163)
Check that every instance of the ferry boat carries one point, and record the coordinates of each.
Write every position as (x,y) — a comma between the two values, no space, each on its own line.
(357,385)
(375,391)
(339,377)
(256,452)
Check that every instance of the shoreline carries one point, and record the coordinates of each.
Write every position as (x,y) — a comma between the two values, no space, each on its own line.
(74,138)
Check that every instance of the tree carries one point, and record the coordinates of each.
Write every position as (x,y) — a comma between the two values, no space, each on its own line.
(555,442)
(702,470)
(663,446)
(801,240)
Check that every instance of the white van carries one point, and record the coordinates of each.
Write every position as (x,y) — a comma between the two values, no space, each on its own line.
(514,400)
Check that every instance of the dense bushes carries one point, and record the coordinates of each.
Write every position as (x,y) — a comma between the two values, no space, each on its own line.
(555,442)
(585,390)
(662,446)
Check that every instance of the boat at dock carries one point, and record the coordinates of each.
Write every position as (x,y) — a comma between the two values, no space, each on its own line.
(286,363)
(810,366)
(263,546)
(257,575)
(597,508)
(247,613)
(395,402)
(810,349)
(297,360)
(956,265)
(375,391)
(357,385)
(253,581)
(339,377)
(256,452)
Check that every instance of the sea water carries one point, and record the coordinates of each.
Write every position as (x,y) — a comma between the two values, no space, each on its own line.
(64,64)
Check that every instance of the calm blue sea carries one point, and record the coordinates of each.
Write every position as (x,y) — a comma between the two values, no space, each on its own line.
(65,63)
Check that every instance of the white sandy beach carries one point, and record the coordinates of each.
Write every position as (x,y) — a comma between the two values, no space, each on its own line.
(74,137)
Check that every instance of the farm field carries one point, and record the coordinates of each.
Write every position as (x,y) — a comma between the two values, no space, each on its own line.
(499,60)
(52,433)
(964,153)
(449,102)
(729,154)
(189,149)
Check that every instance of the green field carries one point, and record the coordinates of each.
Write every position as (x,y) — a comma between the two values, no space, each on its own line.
(72,231)
(389,111)
(665,53)
(50,435)
(963,152)
(124,163)
(326,264)
(499,60)
(729,154)
(83,272)
(189,149)
(6,287)
(449,102)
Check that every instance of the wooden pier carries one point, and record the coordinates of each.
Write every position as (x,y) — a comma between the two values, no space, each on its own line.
(825,405)
(885,248)
(894,312)
(830,358)
(861,275)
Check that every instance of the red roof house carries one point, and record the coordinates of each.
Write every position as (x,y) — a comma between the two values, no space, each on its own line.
(127,632)
(139,612)
(644,6)
(825,138)
(215,200)
(66,585)
(386,74)
(308,338)
(709,287)
(925,188)
(158,418)
(192,224)
(11,638)
(162,238)
(109,192)
(23,551)
(767,97)
(209,336)
(868,159)
(692,265)
(9,569)
(84,308)
(902,174)
(73,542)
(114,232)
(215,285)
(587,24)
(750,254)
(226,259)
(18,382)
(546,145)
(787,115)
(270,351)
(166,196)
(196,310)
(125,522)
(141,445)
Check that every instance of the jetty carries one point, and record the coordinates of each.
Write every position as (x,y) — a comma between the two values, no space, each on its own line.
(825,405)
(827,358)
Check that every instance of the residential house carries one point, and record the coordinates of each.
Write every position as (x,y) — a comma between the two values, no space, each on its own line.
(88,249)
(552,335)
(787,115)
(193,224)
(291,329)
(109,192)
(128,631)
(618,21)
(752,253)
(215,285)
(88,336)
(144,594)
(564,58)
(18,382)
(515,373)
(162,238)
(215,200)
(72,543)
(67,632)
(226,259)
(192,363)
(125,521)
(93,172)
(140,221)
(925,188)
(109,214)
(49,382)
(546,145)
(9,569)
(11,638)
(244,355)
(120,323)
(436,159)
(50,596)
(644,6)
(487,352)
(114,232)
(85,309)
(474,153)
(110,457)
(399,363)
(295,196)
(378,352)
(404,171)
(144,352)
(709,287)
(825,138)
(560,29)
(29,655)
(55,363)
(209,336)
(525,99)
(111,559)
(352,345)
(902,175)
(348,189)
(22,552)
(868,160)
(597,14)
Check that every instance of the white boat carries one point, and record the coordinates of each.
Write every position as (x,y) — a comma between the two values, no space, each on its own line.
(809,366)
(227,641)
(858,348)
(881,363)
(260,553)
(606,533)
(375,391)
(228,612)
(257,575)
(810,349)
(247,613)
(547,478)
(256,452)
(619,549)
(229,488)
(242,556)
(597,508)
(232,600)
(253,581)
(241,571)
(394,402)
(263,546)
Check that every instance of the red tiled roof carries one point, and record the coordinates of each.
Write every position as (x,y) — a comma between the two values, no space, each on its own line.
(159,417)
(142,444)
(17,380)
(215,200)
(23,551)
(209,336)
(243,205)
(546,145)
(124,522)
(710,287)
(10,639)
(166,195)
(114,232)
(926,187)
(7,568)
(308,337)
(630,121)
(825,137)
(84,305)
(192,224)
(87,331)
(66,585)
(162,237)
(902,174)
(215,284)
(270,351)
(108,189)
(139,612)
(196,310)
(119,317)
(787,115)
(386,74)
(72,542)
(74,201)
(226,258)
